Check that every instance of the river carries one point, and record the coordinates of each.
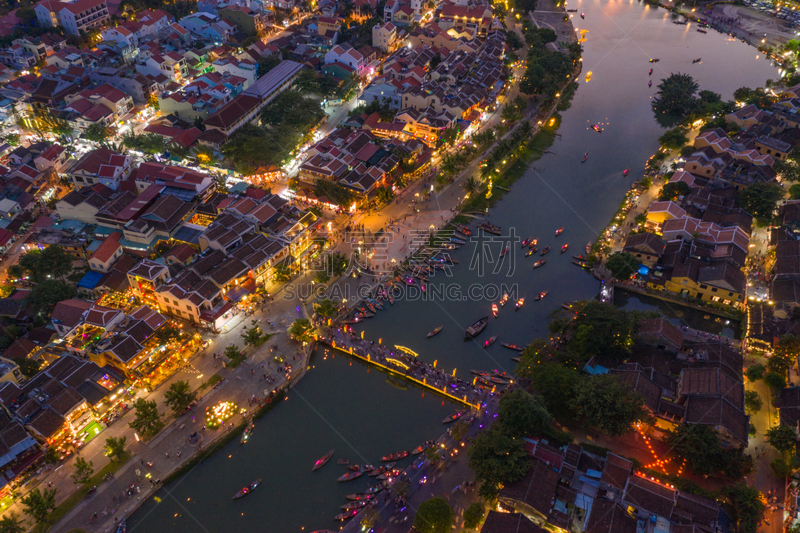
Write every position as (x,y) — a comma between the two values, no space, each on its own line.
(362,413)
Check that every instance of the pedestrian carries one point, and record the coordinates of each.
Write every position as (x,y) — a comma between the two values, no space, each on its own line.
(167,454)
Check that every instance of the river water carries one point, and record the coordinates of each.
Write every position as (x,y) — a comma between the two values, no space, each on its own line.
(363,414)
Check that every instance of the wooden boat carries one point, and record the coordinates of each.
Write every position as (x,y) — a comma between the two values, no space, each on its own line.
(375,489)
(581,264)
(650,73)
(322,460)
(389,474)
(511,346)
(625,172)
(346,515)
(516,359)
(588,248)
(597,128)
(531,251)
(650,83)
(246,433)
(533,243)
(122,527)
(585,157)
(247,490)
(582,15)
(539,263)
(358,496)
(453,417)
(488,227)
(475,329)
(395,456)
(504,252)
(541,295)
(564,248)
(699,59)
(701,31)
(342,461)
(481,372)
(545,250)
(324,531)
(488,342)
(419,449)
(463,229)
(494,310)
(559,231)
(656,60)
(381,469)
(455,240)
(358,504)
(519,304)
(350,476)
(360,468)
(434,332)
(503,300)
(498,381)
(524,243)
(580,257)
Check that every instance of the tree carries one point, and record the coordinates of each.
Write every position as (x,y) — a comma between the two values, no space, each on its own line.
(794,191)
(253,335)
(522,415)
(699,445)
(48,293)
(83,470)
(607,404)
(748,507)
(755,372)
(9,523)
(232,352)
(760,201)
(525,5)
(674,139)
(781,467)
(179,396)
(12,139)
(497,458)
(166,333)
(622,265)
(555,382)
(472,516)
(29,367)
(52,262)
(148,420)
(50,455)
(26,15)
(785,354)
(788,170)
(267,63)
(97,133)
(38,504)
(115,448)
(603,330)
(301,330)
(775,381)
(673,191)
(326,308)
(676,95)
(752,402)
(471,186)
(782,438)
(369,517)
(384,195)
(434,516)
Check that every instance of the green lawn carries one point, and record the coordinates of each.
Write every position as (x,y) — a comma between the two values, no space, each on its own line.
(213,380)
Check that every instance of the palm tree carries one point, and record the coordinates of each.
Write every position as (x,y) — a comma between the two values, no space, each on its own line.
(301,330)
(471,186)
(487,170)
(11,524)
(525,129)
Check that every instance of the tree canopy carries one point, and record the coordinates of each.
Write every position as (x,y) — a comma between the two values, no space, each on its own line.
(760,200)
(622,265)
(179,396)
(497,458)
(699,445)
(605,403)
(674,139)
(48,293)
(602,330)
(523,415)
(673,191)
(148,420)
(554,382)
(52,262)
(782,438)
(434,516)
(38,504)
(676,95)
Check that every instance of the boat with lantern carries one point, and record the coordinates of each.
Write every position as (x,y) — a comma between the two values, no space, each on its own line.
(322,460)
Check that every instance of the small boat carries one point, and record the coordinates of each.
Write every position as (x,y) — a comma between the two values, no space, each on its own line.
(533,243)
(322,460)
(701,31)
(588,248)
(494,310)
(122,527)
(457,241)
(419,449)
(516,359)
(650,83)
(531,251)
(539,263)
(481,373)
(381,469)
(582,15)
(519,304)
(389,474)
(350,476)
(360,468)
(358,496)
(655,60)
(463,229)
(504,252)
(376,489)
(564,248)
(585,157)
(453,417)
(475,329)
(559,231)
(346,515)
(588,76)
(511,346)
(525,242)
(358,504)
(699,59)
(545,250)
(580,257)
(503,300)
(597,128)
(650,73)
(434,332)
(246,433)
(395,456)
(498,381)
(541,295)
(488,227)
(488,342)
(625,172)
(247,490)
(581,264)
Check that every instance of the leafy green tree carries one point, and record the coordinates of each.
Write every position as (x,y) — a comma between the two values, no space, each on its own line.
(12,139)
(699,445)
(603,330)
(83,470)
(748,507)
(794,191)
(253,335)
(369,518)
(608,405)
(555,382)
(752,402)
(148,420)
(434,516)
(782,438)
(48,293)
(384,195)
(301,330)
(29,367)
(326,308)
(267,63)
(760,200)
(781,467)
(775,381)
(115,448)
(179,396)
(472,516)
(38,504)
(9,523)
(50,455)
(676,95)
(497,458)
(784,355)
(755,372)
(232,352)
(523,415)
(167,333)
(50,263)
(622,265)
(673,191)
(335,263)
(97,133)
(788,170)
(674,139)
